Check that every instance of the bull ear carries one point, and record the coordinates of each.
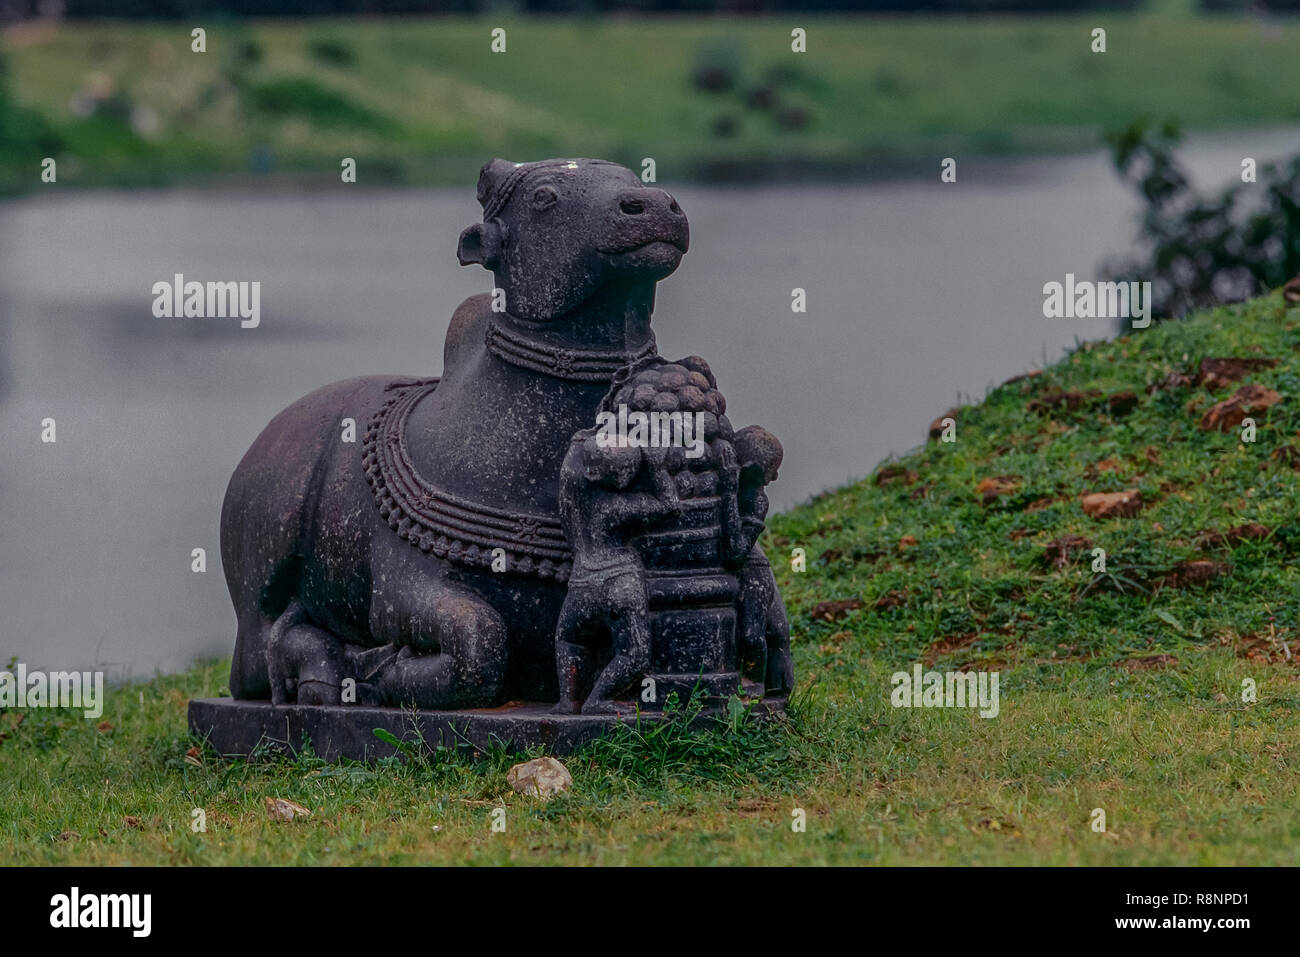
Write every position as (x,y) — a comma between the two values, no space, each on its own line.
(480,243)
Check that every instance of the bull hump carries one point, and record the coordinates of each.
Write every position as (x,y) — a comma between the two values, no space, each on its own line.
(448,525)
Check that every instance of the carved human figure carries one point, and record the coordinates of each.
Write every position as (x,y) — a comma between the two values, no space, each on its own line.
(762,627)
(601,513)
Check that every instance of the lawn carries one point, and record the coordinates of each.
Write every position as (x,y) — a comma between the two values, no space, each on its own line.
(415,100)
(1162,691)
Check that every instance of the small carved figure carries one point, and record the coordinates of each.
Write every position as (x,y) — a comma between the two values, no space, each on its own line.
(762,628)
(470,549)
(607,588)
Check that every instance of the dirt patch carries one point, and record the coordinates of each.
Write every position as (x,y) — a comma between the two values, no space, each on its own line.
(1149,663)
(1214,374)
(894,598)
(1102,467)
(1174,380)
(1063,550)
(836,610)
(1122,403)
(1198,571)
(946,646)
(1023,376)
(1265,650)
(1250,532)
(937,426)
(1038,504)
(896,474)
(1288,455)
(1057,400)
(1228,414)
(991,489)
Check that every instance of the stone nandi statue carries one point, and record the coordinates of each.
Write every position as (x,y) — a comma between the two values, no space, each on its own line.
(428,563)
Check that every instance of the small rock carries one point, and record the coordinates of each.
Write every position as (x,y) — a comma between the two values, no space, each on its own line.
(541,778)
(282,809)
(1112,504)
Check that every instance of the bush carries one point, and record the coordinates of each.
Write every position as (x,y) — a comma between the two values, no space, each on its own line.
(1203,251)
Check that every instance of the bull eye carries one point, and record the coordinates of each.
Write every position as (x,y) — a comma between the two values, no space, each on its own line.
(545,197)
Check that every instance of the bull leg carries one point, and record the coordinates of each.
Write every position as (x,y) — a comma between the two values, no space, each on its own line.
(248,675)
(304,663)
(452,644)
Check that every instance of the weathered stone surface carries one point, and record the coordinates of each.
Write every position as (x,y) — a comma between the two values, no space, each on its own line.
(540,778)
(239,728)
(475,527)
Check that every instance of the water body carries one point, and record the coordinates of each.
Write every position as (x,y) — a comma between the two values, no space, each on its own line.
(919,295)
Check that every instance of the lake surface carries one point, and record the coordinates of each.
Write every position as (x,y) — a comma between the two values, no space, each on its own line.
(920,295)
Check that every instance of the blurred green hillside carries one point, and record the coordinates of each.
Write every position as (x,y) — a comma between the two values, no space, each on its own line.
(420,100)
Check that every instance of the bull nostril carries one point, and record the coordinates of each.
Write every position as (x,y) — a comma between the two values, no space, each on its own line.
(633,207)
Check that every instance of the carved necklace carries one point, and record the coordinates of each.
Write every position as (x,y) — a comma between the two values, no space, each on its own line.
(573,365)
(448,525)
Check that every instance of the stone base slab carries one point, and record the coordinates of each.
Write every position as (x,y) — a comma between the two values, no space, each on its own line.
(239,728)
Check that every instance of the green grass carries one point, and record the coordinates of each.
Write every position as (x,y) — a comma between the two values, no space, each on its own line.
(422,100)
(1091,717)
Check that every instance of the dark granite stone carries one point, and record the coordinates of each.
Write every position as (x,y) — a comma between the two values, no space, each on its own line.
(239,728)
(431,563)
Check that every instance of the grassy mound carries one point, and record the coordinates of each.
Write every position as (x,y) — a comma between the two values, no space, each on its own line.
(981,550)
(1122,691)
